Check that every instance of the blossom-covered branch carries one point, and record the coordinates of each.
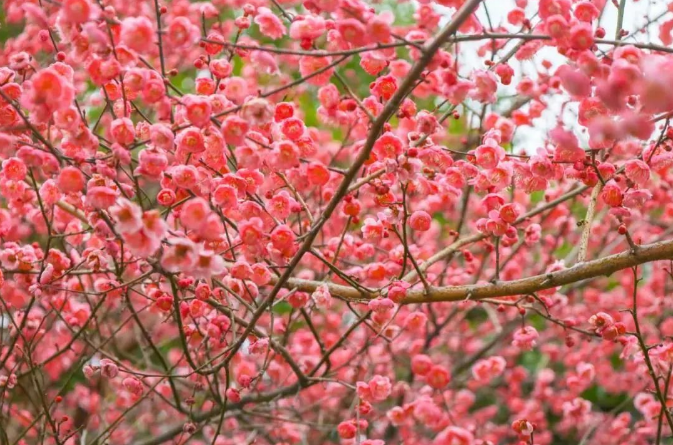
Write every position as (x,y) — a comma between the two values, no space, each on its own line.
(352,222)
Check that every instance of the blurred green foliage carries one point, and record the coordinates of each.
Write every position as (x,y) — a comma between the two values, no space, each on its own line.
(7,30)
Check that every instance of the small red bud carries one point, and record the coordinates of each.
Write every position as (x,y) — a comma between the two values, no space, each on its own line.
(185,282)
(249,9)
(669,132)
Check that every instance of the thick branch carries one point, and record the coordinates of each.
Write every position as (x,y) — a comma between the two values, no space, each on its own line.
(592,269)
(588,222)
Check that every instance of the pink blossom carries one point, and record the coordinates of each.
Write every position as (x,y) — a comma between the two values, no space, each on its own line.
(525,338)
(194,213)
(612,195)
(138,33)
(317,68)
(181,254)
(133,385)
(420,221)
(108,368)
(101,197)
(322,297)
(123,131)
(269,24)
(181,33)
(127,215)
(257,111)
(454,435)
(310,28)
(76,11)
(47,92)
(485,86)
(379,388)
(488,369)
(637,171)
(488,156)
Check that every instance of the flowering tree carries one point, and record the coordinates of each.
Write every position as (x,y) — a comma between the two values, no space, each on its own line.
(331,222)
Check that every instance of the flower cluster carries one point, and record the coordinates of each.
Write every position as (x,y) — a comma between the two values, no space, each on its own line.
(442,222)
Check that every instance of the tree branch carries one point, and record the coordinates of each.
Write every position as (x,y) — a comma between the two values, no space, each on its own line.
(584,271)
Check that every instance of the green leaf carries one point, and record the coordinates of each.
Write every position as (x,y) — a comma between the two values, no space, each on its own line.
(533,360)
(457,126)
(563,250)
(282,308)
(606,401)
(8,30)
(309,106)
(536,196)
